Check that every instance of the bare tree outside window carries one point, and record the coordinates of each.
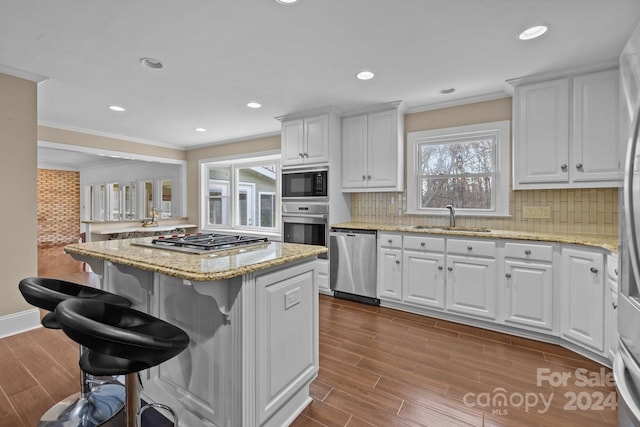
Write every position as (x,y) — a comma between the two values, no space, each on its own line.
(460,173)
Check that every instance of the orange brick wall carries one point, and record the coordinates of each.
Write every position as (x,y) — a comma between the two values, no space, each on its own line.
(58,207)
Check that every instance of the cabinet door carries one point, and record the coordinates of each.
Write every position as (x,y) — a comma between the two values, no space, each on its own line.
(423,278)
(382,156)
(529,298)
(471,286)
(292,135)
(354,152)
(390,274)
(316,137)
(541,137)
(582,318)
(595,141)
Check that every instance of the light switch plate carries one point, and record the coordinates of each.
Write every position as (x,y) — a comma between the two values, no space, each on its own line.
(536,212)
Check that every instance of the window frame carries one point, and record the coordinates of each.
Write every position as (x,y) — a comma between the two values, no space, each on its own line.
(235,163)
(499,130)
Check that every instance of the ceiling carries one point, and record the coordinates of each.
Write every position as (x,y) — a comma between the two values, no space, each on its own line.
(219,55)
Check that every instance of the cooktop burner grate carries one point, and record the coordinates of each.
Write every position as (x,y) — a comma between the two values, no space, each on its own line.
(200,243)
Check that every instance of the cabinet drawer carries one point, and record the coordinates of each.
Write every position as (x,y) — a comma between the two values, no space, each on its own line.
(390,240)
(421,243)
(529,251)
(612,266)
(471,247)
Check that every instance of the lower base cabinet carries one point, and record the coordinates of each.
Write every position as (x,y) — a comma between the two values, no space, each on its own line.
(471,286)
(529,294)
(582,318)
(423,278)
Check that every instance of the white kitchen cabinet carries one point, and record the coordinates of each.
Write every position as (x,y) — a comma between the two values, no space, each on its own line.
(528,286)
(390,267)
(423,271)
(566,132)
(611,305)
(305,140)
(372,151)
(582,298)
(471,278)
(323,277)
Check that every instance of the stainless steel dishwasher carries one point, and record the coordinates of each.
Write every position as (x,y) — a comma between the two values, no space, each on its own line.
(352,262)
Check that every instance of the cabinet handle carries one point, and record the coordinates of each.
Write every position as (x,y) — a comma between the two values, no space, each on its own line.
(397,261)
(508,275)
(593,270)
(469,247)
(527,252)
(423,244)
(439,267)
(579,166)
(563,167)
(614,305)
(450,268)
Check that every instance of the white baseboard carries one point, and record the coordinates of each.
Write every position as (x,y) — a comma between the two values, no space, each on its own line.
(16,323)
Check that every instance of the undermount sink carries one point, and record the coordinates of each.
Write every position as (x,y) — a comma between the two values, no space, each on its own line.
(447,228)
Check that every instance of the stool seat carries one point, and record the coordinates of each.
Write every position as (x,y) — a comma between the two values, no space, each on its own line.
(120,340)
(47,293)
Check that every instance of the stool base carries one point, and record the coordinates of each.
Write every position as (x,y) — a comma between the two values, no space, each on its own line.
(99,406)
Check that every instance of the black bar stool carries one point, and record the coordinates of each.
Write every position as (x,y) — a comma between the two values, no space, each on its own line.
(92,406)
(120,341)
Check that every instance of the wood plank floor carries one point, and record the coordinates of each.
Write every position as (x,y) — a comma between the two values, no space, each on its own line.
(378,367)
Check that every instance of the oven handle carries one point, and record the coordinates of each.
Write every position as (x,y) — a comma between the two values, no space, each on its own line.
(305,219)
(298,215)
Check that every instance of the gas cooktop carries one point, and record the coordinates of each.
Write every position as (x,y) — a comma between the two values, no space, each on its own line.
(202,243)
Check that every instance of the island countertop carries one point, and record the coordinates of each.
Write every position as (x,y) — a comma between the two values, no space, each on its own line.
(197,267)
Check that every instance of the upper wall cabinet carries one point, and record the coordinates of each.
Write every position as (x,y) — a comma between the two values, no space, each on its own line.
(372,150)
(305,140)
(567,132)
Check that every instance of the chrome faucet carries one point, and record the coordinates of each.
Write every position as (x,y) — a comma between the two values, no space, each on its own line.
(452,216)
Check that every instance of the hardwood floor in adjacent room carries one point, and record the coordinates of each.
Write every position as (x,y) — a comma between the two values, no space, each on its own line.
(378,367)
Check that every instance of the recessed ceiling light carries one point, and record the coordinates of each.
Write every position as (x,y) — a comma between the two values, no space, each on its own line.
(116,108)
(447,91)
(152,63)
(200,129)
(254,105)
(533,32)
(286,1)
(365,75)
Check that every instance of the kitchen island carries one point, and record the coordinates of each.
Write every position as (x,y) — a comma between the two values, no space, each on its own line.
(251,315)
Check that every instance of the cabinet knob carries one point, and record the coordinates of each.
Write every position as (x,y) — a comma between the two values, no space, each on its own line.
(364,177)
(527,252)
(390,241)
(368,177)
(450,268)
(579,166)
(563,167)
(306,154)
(614,305)
(593,270)
(397,261)
(507,275)
(423,244)
(469,247)
(616,271)
(301,155)
(439,267)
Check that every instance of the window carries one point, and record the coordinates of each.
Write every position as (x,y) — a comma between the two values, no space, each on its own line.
(241,193)
(466,166)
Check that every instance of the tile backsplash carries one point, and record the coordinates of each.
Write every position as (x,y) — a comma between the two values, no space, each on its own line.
(585,211)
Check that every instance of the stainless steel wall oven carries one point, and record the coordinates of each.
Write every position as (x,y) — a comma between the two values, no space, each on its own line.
(306,223)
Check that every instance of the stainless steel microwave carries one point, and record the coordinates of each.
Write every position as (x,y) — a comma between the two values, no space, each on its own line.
(297,184)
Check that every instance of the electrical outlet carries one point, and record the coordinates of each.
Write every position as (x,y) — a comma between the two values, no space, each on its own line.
(536,212)
(291,298)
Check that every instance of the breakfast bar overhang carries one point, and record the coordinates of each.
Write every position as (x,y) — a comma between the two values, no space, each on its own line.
(251,315)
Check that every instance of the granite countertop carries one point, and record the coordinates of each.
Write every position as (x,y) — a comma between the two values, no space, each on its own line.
(601,241)
(197,267)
